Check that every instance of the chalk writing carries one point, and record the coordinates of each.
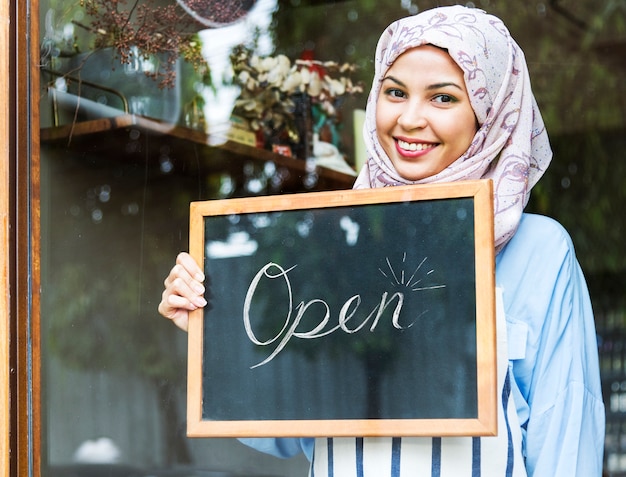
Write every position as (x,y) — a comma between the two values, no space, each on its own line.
(399,277)
(346,321)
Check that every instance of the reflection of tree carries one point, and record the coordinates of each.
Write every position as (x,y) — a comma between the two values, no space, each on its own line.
(112,249)
(95,324)
(102,313)
(574,191)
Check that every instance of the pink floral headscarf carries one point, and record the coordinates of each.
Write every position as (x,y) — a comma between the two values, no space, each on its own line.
(511,146)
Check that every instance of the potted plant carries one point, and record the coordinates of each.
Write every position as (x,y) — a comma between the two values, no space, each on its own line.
(287,102)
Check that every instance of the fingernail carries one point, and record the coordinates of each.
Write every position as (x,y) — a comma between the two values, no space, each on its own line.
(199,289)
(201,302)
(199,277)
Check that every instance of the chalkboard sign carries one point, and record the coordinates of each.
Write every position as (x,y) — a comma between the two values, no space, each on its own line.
(346,313)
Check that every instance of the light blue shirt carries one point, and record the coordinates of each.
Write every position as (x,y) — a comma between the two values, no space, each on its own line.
(553,354)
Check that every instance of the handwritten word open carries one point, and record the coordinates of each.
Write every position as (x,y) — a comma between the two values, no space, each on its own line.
(346,319)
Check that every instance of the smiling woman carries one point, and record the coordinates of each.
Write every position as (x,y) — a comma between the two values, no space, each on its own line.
(424,117)
(544,294)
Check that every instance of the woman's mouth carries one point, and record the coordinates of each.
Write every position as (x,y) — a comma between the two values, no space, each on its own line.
(413,147)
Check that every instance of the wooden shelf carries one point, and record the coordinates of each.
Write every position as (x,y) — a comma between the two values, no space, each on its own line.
(129,137)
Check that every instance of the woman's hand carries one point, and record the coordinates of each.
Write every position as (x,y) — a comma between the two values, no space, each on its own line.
(183,292)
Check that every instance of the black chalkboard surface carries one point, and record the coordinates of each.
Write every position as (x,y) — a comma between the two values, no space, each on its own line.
(350,313)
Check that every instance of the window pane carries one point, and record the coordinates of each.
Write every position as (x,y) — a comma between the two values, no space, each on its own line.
(126,147)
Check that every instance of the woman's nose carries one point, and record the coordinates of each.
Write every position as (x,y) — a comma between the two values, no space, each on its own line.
(413,116)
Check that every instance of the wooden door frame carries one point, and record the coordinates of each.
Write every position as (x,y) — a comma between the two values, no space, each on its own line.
(4,237)
(20,447)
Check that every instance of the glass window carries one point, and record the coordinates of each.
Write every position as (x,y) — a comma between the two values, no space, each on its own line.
(146,106)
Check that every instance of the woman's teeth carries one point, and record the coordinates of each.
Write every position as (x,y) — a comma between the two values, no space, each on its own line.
(414,146)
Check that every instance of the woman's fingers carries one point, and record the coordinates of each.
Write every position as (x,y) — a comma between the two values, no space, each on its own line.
(183,291)
(191,267)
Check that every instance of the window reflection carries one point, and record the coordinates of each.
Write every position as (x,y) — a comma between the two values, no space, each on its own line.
(116,188)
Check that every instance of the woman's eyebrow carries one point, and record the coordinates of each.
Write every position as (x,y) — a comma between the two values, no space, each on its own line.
(444,85)
(429,87)
(395,80)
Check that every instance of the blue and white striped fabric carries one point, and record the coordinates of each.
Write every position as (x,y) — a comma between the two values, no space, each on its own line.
(498,456)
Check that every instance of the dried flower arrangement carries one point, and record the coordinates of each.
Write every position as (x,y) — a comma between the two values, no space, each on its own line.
(145,29)
(271,88)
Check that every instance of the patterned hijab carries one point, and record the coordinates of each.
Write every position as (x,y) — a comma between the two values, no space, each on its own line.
(511,146)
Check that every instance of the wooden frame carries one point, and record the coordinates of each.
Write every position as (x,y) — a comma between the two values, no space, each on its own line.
(19,441)
(482,250)
(20,175)
(4,237)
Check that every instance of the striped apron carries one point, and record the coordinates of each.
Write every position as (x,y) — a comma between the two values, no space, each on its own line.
(498,456)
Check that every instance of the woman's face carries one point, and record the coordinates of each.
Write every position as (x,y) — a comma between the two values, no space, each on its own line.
(424,119)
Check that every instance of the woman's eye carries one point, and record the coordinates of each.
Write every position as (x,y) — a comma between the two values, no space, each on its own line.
(395,93)
(444,98)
